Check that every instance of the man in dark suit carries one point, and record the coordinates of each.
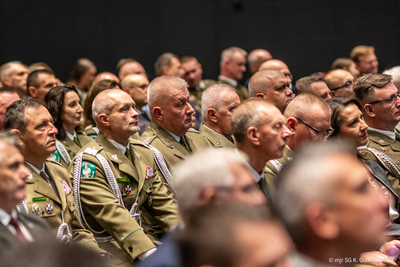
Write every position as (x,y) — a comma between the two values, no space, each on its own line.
(15,227)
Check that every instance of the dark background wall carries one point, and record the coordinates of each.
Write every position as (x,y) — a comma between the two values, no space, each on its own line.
(306,34)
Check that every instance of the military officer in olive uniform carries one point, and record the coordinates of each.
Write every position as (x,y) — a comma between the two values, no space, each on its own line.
(218,103)
(381,109)
(171,114)
(48,189)
(120,186)
(233,65)
(261,134)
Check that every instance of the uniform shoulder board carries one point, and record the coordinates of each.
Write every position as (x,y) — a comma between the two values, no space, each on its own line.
(149,139)
(139,143)
(55,162)
(191,130)
(91,150)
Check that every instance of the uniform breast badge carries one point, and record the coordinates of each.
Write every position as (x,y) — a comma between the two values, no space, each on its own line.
(49,209)
(35,209)
(149,172)
(88,170)
(66,187)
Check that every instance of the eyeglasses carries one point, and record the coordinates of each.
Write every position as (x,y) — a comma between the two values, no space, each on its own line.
(289,75)
(326,133)
(347,84)
(389,100)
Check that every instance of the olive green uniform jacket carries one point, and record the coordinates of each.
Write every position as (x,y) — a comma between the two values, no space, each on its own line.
(240,90)
(92,131)
(217,140)
(389,147)
(172,151)
(71,147)
(137,179)
(40,194)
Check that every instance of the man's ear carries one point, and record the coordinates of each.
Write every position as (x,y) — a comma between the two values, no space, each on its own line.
(211,112)
(103,119)
(369,110)
(332,93)
(252,135)
(261,95)
(126,89)
(32,91)
(321,221)
(158,113)
(292,123)
(18,133)
(207,196)
(8,81)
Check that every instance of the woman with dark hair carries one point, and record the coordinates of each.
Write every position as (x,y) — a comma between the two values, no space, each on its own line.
(82,76)
(348,124)
(63,105)
(90,127)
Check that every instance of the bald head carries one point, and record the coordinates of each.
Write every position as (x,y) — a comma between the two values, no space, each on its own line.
(256,58)
(136,86)
(105,76)
(276,64)
(131,67)
(340,82)
(272,85)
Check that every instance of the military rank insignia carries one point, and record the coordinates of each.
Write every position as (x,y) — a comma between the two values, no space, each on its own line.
(149,172)
(88,170)
(55,156)
(66,187)
(385,149)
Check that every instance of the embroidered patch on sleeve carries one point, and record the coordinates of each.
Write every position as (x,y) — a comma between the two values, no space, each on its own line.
(55,156)
(88,170)
(149,172)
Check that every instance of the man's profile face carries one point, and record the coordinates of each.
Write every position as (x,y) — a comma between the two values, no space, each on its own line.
(177,112)
(279,92)
(176,68)
(273,134)
(18,75)
(367,63)
(123,117)
(5,100)
(12,175)
(138,91)
(193,72)
(321,89)
(45,83)
(388,113)
(224,113)
(360,210)
(236,66)
(39,136)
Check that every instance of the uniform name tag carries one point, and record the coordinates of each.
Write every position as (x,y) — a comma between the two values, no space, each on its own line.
(38,199)
(127,180)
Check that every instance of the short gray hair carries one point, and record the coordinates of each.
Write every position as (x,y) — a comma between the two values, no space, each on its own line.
(101,105)
(303,85)
(10,139)
(248,115)
(163,60)
(310,167)
(229,52)
(395,73)
(159,89)
(212,97)
(208,168)
(300,106)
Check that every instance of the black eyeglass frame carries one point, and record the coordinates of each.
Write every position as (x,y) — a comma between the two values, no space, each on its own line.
(318,132)
(347,84)
(390,99)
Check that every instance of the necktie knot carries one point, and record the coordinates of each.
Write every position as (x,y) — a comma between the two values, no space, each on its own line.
(182,141)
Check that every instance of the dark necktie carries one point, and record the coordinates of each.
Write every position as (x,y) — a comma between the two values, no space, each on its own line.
(182,141)
(76,140)
(398,137)
(50,182)
(128,154)
(18,231)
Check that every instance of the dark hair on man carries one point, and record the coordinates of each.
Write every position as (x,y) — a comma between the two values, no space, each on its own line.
(343,63)
(364,87)
(54,101)
(80,68)
(209,237)
(163,60)
(304,84)
(123,61)
(33,77)
(6,89)
(337,104)
(15,114)
(96,89)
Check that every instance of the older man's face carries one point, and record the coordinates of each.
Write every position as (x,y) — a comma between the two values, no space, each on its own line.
(18,75)
(177,112)
(236,66)
(367,63)
(193,72)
